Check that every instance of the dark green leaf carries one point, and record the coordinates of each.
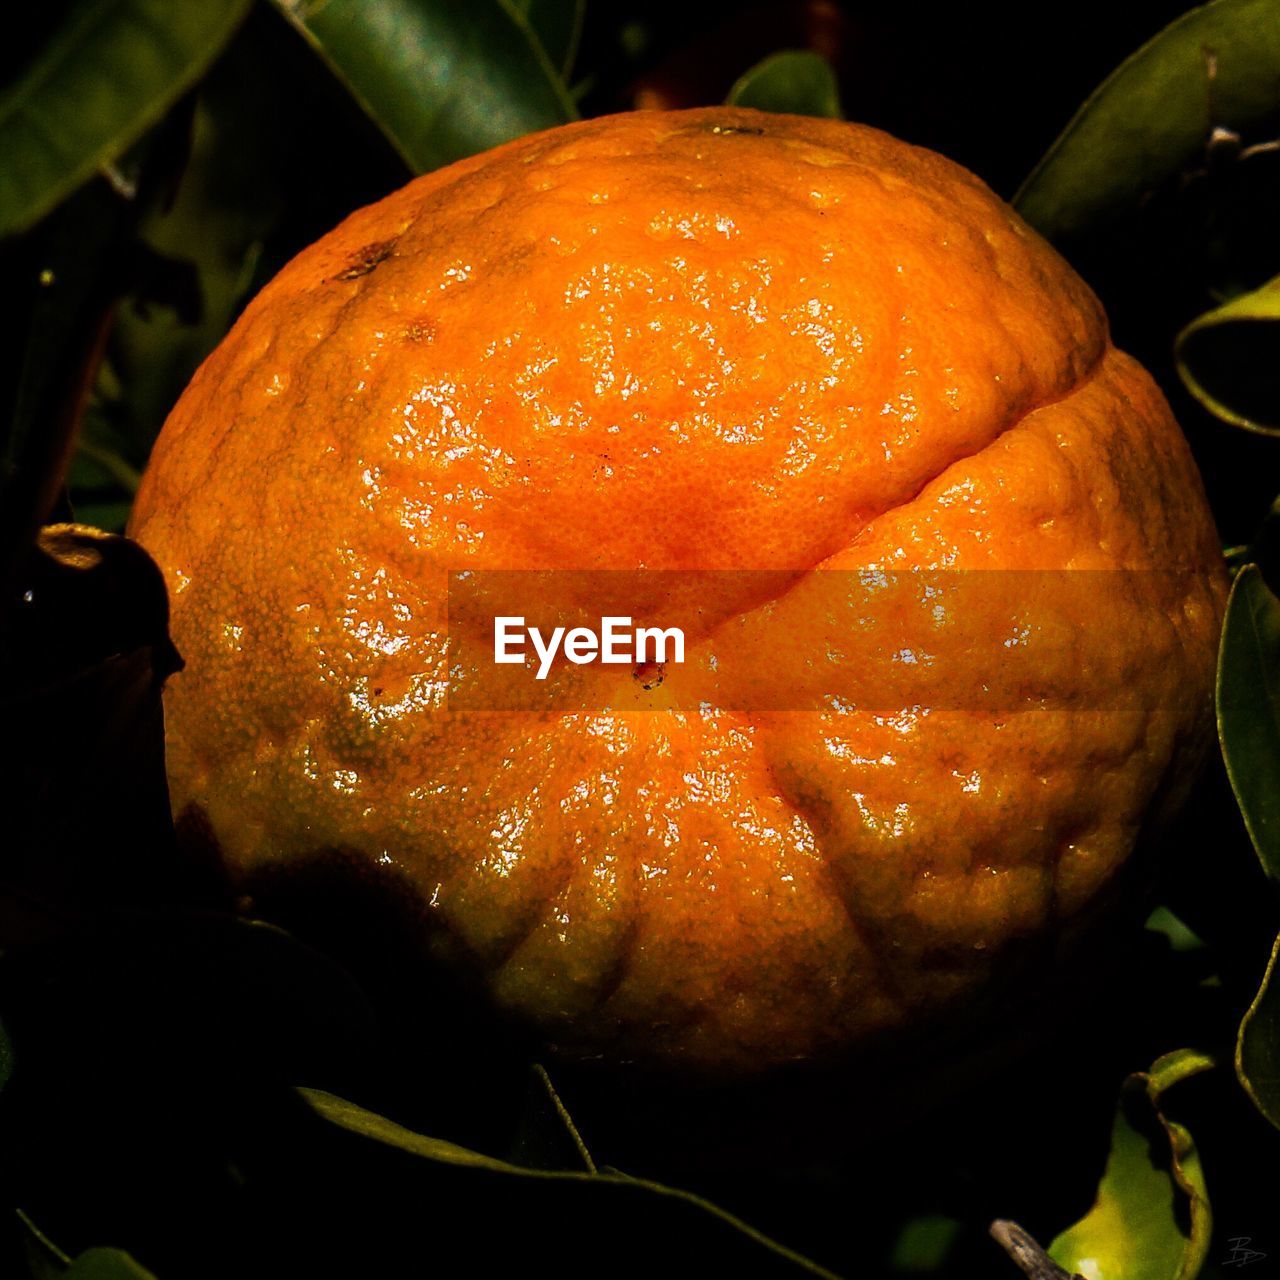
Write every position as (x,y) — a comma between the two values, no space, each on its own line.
(72,291)
(94,451)
(1249,709)
(1258,1044)
(924,1243)
(442,80)
(1176,932)
(636,1204)
(1151,1220)
(1228,359)
(45,1259)
(195,262)
(558,26)
(106,1264)
(1218,65)
(796,82)
(109,73)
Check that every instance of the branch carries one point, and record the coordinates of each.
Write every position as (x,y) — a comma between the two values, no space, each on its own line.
(1030,1257)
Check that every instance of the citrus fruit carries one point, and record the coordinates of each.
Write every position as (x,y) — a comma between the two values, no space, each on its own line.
(712,340)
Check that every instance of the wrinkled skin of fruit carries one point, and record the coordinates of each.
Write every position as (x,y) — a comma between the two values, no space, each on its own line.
(710,339)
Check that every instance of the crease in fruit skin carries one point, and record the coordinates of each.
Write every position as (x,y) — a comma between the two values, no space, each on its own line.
(597,348)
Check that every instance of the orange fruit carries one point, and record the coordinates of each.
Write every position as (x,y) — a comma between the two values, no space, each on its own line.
(703,340)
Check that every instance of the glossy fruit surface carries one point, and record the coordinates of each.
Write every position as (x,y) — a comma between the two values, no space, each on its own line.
(703,340)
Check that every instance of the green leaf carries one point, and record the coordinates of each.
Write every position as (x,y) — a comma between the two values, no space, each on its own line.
(440,79)
(1249,709)
(795,82)
(925,1243)
(1258,1044)
(1218,65)
(71,293)
(617,1205)
(1228,357)
(558,26)
(106,1264)
(195,260)
(347,1115)
(94,451)
(1151,1219)
(44,1258)
(112,69)
(1175,931)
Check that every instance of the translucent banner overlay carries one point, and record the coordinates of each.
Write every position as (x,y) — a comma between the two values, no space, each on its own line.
(872,640)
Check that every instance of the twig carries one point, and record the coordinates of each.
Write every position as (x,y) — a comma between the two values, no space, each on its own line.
(1030,1257)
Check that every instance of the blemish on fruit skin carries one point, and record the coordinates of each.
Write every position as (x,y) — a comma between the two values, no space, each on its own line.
(419,331)
(367,259)
(649,675)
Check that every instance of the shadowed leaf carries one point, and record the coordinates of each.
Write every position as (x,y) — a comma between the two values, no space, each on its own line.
(924,1243)
(113,68)
(193,262)
(651,1217)
(441,80)
(73,289)
(1217,66)
(558,26)
(1258,1044)
(795,82)
(1249,709)
(46,1260)
(106,1264)
(1228,359)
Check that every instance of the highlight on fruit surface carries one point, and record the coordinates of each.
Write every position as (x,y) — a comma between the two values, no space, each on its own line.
(948,587)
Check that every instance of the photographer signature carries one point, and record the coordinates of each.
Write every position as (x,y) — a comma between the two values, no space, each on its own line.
(1240,1252)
